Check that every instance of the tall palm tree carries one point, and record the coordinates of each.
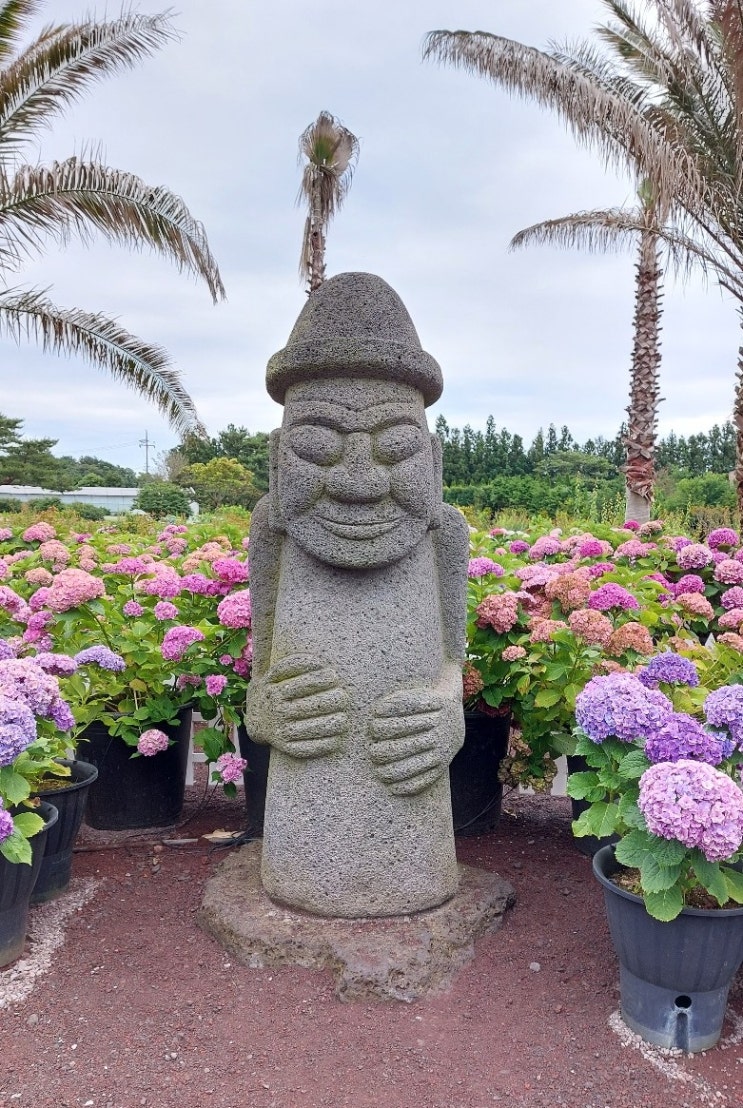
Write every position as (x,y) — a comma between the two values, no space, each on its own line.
(330,152)
(666,103)
(81,196)
(642,411)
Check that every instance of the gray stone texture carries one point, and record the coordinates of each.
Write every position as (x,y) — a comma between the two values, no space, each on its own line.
(358,580)
(403,958)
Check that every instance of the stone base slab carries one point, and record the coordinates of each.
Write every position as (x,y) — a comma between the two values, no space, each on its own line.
(395,958)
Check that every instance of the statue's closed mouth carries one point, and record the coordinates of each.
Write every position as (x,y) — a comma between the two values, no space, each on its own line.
(368,529)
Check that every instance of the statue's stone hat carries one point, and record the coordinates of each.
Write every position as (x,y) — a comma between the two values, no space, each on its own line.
(354,325)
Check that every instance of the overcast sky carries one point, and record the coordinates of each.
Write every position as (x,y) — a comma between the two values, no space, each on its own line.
(450,168)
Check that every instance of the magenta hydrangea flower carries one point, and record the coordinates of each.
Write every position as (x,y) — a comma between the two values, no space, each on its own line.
(619,705)
(612,595)
(724,708)
(671,669)
(215,684)
(544,547)
(17,728)
(5,534)
(235,610)
(14,604)
(165,610)
(681,736)
(732,598)
(631,525)
(518,546)
(129,567)
(695,804)
(593,548)
(231,767)
(690,582)
(633,549)
(152,742)
(722,536)
(598,569)
(200,584)
(132,608)
(101,656)
(481,567)
(177,640)
(231,570)
(6,824)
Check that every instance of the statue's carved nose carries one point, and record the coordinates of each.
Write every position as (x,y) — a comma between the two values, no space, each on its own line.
(358,478)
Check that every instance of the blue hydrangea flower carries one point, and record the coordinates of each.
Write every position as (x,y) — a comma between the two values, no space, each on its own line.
(17,728)
(681,736)
(101,656)
(619,705)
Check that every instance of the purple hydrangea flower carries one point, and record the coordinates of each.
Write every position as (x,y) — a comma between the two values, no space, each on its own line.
(132,608)
(101,656)
(694,556)
(671,669)
(60,665)
(690,582)
(518,546)
(695,804)
(732,598)
(619,705)
(612,595)
(215,684)
(479,567)
(724,708)
(6,824)
(722,536)
(17,728)
(681,736)
(6,649)
(165,610)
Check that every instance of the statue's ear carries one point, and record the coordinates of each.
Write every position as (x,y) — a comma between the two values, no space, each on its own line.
(437,484)
(275,518)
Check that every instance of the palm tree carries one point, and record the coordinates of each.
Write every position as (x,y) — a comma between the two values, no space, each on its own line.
(642,425)
(665,104)
(331,152)
(81,196)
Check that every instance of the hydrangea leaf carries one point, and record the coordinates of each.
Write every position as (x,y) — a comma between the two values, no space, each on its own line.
(562,742)
(633,849)
(709,874)
(630,814)
(599,820)
(734,884)
(668,852)
(665,905)
(546,698)
(28,823)
(581,785)
(632,765)
(13,787)
(655,878)
(16,849)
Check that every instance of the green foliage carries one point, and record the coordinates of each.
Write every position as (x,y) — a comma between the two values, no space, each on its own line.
(219,482)
(161,498)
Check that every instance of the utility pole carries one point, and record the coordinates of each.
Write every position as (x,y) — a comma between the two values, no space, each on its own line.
(145,442)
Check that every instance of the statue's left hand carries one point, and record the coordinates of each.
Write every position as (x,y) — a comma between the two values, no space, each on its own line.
(414,735)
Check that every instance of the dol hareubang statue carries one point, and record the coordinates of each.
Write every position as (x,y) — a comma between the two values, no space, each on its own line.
(358,582)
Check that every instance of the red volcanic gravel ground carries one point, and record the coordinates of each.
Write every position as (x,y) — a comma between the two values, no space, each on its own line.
(137,1006)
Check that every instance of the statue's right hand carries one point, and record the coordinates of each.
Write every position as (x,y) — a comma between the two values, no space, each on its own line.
(300,707)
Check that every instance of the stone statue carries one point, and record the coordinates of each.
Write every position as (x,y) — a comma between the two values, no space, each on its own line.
(358,583)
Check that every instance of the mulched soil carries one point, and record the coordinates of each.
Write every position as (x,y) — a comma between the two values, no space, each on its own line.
(137,1006)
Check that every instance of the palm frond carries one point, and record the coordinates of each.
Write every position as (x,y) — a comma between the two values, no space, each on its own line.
(27,314)
(14,17)
(330,152)
(599,117)
(80,197)
(56,69)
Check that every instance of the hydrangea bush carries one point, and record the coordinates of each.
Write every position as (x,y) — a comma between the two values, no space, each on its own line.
(667,783)
(146,623)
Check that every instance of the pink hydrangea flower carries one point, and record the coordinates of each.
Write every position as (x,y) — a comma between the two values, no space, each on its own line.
(165,610)
(544,547)
(152,742)
(729,572)
(215,684)
(38,576)
(694,556)
(722,536)
(499,611)
(235,610)
(177,640)
(591,626)
(231,767)
(231,570)
(690,582)
(513,653)
(694,803)
(5,534)
(39,532)
(71,588)
(481,567)
(695,604)
(132,608)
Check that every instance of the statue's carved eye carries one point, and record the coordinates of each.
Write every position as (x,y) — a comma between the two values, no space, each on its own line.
(395,444)
(320,445)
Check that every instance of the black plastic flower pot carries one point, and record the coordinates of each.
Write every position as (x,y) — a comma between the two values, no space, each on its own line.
(136,792)
(255,778)
(674,977)
(17,881)
(69,798)
(476,792)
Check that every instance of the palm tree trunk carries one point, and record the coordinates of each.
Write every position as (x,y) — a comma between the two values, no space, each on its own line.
(642,424)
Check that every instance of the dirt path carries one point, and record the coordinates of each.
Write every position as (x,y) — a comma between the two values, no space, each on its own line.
(122,1001)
